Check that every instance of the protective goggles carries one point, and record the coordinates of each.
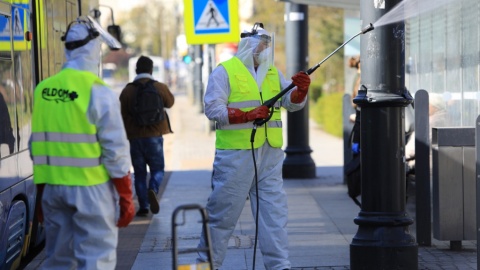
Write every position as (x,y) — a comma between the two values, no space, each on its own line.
(92,34)
(254,33)
(94,31)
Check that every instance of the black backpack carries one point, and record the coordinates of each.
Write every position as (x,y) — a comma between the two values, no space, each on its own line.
(147,106)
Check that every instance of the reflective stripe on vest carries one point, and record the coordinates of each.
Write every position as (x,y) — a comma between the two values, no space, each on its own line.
(64,161)
(64,144)
(62,137)
(250,103)
(244,104)
(249,125)
(245,95)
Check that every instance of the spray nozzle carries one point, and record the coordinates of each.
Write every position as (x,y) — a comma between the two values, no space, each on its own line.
(367,28)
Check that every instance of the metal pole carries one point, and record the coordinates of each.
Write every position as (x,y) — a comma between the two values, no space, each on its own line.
(212,63)
(423,209)
(298,163)
(477,184)
(197,77)
(383,240)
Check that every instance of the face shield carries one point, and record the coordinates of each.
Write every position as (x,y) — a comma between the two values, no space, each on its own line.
(255,50)
(94,30)
(264,51)
(111,42)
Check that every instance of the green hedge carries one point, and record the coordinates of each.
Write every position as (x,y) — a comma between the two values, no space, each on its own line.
(327,112)
(315,91)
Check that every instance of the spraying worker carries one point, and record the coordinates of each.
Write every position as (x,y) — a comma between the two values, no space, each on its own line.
(233,99)
(81,157)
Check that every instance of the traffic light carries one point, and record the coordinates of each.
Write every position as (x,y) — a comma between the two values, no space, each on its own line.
(187,59)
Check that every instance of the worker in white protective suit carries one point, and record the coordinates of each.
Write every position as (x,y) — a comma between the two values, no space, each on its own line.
(236,90)
(81,157)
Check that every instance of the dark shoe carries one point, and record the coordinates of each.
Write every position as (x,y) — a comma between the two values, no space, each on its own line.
(152,199)
(142,213)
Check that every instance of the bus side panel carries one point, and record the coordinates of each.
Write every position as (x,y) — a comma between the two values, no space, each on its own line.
(15,229)
(5,201)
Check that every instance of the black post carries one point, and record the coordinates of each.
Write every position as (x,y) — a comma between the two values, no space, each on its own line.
(477,185)
(298,163)
(423,209)
(383,240)
(197,77)
(347,110)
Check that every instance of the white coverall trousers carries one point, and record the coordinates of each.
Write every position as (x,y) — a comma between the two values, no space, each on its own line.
(233,180)
(81,231)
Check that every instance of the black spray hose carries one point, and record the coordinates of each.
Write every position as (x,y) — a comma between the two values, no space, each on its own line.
(258,122)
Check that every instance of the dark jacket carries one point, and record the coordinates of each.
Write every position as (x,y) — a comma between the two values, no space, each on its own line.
(132,128)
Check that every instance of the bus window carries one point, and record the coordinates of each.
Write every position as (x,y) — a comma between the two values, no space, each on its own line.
(7,140)
(7,92)
(23,78)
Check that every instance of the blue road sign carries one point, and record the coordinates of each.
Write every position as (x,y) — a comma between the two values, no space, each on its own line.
(211,16)
(211,21)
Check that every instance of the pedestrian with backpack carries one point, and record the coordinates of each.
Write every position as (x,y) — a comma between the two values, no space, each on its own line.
(146,121)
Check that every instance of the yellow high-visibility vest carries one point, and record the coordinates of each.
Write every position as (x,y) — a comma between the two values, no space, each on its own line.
(65,147)
(245,95)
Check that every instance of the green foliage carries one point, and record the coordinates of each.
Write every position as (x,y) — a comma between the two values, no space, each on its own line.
(325,34)
(315,91)
(151,28)
(327,112)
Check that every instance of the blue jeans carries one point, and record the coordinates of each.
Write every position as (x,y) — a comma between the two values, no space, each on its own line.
(147,151)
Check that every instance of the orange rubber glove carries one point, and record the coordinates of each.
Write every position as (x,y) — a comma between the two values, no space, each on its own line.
(127,208)
(302,81)
(38,202)
(237,116)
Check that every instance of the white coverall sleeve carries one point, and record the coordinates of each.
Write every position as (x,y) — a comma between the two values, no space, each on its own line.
(286,102)
(104,113)
(216,96)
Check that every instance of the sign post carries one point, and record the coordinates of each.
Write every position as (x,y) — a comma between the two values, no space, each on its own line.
(211,21)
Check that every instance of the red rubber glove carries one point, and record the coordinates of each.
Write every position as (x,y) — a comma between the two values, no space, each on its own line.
(38,202)
(127,209)
(257,113)
(302,81)
(237,116)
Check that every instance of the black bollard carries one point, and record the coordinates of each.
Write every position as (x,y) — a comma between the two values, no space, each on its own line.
(383,240)
(298,163)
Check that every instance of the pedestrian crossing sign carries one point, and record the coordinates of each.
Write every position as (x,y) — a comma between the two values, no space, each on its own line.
(211,21)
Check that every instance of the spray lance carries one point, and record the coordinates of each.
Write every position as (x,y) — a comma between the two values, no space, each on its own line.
(269,103)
